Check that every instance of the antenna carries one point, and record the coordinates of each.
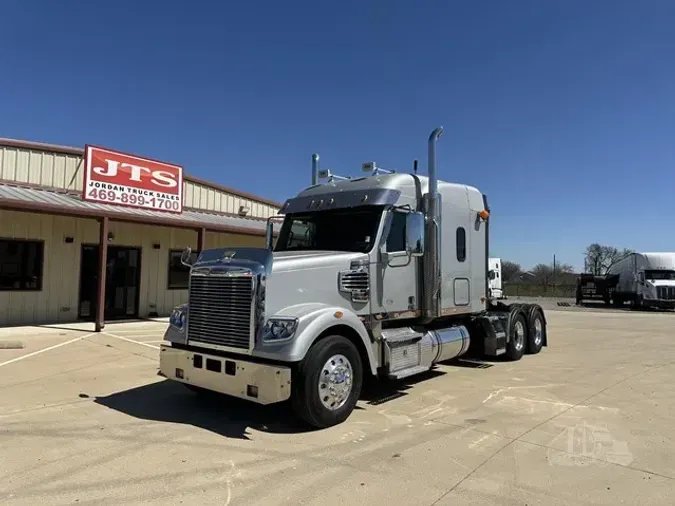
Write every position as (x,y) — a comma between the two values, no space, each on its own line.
(415,167)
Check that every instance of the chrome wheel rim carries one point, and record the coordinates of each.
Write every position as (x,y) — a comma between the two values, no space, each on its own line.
(519,335)
(335,382)
(538,332)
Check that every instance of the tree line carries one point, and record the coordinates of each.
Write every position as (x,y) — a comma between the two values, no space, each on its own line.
(598,258)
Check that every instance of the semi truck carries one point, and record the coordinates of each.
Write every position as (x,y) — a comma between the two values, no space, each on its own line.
(646,280)
(495,290)
(379,277)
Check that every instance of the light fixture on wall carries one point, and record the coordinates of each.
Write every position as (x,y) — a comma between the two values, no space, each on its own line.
(111,237)
(156,246)
(68,240)
(244,210)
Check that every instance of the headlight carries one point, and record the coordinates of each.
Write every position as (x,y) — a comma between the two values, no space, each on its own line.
(277,329)
(177,318)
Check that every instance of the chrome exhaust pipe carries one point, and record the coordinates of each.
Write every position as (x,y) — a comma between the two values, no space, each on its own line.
(315,168)
(433,177)
(432,258)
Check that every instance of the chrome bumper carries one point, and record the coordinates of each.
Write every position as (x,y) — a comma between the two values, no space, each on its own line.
(260,383)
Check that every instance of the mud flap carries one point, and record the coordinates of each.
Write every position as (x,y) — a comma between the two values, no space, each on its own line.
(494,334)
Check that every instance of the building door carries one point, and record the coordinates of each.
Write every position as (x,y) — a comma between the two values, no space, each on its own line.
(122,282)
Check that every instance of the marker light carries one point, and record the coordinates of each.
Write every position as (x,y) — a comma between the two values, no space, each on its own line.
(484,214)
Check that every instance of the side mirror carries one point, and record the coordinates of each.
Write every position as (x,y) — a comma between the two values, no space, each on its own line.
(492,275)
(186,257)
(414,234)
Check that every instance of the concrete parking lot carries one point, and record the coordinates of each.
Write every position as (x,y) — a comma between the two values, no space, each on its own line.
(85,419)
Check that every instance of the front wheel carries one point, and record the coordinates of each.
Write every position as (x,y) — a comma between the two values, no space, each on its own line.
(327,383)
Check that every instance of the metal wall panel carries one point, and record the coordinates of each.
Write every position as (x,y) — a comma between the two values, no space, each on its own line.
(57,170)
(209,199)
(58,300)
(65,171)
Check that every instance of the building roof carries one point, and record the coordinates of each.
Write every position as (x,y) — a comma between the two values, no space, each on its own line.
(70,150)
(22,198)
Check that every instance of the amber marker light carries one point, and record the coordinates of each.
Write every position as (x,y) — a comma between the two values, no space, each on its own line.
(484,214)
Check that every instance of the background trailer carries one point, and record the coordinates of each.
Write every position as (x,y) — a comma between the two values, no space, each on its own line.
(99,237)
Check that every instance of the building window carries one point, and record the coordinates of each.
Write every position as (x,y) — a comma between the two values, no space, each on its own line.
(21,265)
(461,244)
(179,274)
(396,237)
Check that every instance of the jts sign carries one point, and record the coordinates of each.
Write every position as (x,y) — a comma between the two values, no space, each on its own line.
(112,177)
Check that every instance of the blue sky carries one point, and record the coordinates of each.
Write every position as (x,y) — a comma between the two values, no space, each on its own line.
(562,112)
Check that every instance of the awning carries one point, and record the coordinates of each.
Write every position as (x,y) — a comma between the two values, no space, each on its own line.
(21,198)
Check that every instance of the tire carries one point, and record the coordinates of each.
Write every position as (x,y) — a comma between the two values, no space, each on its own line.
(536,335)
(334,357)
(518,337)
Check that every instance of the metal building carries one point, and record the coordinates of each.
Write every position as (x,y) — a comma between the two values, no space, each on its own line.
(64,258)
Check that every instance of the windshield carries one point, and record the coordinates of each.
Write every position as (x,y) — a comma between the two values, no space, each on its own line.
(352,230)
(660,275)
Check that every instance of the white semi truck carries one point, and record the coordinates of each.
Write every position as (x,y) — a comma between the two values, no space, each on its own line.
(380,276)
(645,280)
(495,289)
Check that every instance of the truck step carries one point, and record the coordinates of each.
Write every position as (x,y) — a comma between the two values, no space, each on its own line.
(405,373)
(401,335)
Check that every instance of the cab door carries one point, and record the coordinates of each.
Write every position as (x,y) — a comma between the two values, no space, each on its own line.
(397,271)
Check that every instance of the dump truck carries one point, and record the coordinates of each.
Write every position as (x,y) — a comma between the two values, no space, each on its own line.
(646,280)
(379,277)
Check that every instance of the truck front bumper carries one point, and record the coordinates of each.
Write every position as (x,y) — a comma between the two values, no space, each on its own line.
(261,383)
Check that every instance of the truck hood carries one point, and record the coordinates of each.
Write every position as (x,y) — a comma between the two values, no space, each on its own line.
(300,277)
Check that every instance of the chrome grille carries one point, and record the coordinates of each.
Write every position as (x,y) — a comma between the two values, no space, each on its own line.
(665,292)
(219,310)
(355,282)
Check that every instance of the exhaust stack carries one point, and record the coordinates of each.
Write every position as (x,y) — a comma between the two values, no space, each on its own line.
(315,168)
(432,258)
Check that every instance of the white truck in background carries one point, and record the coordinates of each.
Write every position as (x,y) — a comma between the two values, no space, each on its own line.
(645,280)
(495,289)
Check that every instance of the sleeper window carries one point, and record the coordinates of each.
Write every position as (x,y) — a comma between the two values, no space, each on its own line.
(461,244)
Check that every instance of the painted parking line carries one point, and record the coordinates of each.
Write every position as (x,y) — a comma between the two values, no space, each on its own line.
(38,352)
(131,340)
